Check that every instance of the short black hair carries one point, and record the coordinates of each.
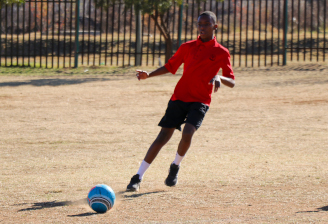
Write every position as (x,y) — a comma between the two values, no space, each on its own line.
(209,14)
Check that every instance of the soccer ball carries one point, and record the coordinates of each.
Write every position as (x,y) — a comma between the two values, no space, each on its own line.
(101,198)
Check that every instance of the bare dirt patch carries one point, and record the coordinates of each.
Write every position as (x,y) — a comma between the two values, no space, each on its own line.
(259,157)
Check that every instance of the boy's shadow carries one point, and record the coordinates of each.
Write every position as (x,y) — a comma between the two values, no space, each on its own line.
(324,208)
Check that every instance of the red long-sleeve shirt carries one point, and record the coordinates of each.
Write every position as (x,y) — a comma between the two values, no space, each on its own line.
(202,61)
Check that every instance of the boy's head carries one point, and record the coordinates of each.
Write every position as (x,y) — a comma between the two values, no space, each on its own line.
(207,25)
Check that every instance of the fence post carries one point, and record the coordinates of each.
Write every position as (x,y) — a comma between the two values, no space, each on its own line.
(77,29)
(285,31)
(138,36)
(180,24)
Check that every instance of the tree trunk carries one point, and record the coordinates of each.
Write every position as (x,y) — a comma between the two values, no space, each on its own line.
(168,50)
(161,25)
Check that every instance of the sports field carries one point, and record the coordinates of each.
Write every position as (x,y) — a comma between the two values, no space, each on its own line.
(261,155)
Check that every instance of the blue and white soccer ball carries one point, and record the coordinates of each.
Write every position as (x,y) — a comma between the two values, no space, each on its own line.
(101,198)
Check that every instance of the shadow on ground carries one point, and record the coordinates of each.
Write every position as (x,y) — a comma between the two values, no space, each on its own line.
(325,209)
(53,204)
(83,214)
(129,197)
(53,82)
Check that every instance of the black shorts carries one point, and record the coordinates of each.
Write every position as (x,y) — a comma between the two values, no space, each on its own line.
(179,112)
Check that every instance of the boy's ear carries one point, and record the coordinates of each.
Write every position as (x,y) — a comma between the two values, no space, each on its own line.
(215,27)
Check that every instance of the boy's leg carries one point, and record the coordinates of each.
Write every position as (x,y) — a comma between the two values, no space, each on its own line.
(163,137)
(185,142)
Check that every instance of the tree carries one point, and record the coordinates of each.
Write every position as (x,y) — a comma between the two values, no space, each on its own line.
(10,2)
(157,10)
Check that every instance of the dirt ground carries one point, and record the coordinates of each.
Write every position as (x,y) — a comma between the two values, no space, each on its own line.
(259,157)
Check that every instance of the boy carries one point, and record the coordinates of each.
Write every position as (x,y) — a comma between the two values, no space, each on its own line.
(191,99)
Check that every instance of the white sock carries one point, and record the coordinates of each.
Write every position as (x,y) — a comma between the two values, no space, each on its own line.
(142,169)
(178,159)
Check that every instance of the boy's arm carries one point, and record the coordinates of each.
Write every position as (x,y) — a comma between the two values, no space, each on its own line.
(217,80)
(144,75)
(227,81)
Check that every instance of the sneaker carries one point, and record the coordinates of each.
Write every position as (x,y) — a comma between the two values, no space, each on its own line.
(172,178)
(134,184)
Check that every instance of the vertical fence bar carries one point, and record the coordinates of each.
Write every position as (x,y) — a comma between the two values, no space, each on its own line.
(240,30)
(247,13)
(89,35)
(58,35)
(100,32)
(217,13)
(124,32)
(64,43)
(259,50)
(77,29)
(53,35)
(279,30)
(23,47)
(148,41)
(106,45)
(298,29)
(6,36)
(1,38)
(186,23)
(12,36)
(318,25)
(70,35)
(285,31)
(266,33)
(17,33)
(35,25)
(131,9)
(324,31)
(292,33)
(228,32)
(41,33)
(304,45)
(180,24)
(311,43)
(154,44)
(272,25)
(137,52)
(192,20)
(173,29)
(112,42)
(234,33)
(83,31)
(94,36)
(47,33)
(253,34)
(29,34)
(222,13)
(118,35)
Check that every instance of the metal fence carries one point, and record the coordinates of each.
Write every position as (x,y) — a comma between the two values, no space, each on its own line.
(48,34)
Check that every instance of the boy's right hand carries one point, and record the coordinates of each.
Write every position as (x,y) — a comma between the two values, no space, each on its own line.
(142,74)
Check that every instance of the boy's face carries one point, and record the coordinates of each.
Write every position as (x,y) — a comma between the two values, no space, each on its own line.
(206,27)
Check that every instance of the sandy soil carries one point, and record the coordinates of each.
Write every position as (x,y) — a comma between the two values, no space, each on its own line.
(259,157)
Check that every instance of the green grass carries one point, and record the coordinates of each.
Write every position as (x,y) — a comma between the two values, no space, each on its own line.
(83,70)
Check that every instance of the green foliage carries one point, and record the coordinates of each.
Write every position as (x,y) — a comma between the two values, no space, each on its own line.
(145,6)
(10,2)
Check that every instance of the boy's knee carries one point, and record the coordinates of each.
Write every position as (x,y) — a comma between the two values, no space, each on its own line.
(188,132)
(164,136)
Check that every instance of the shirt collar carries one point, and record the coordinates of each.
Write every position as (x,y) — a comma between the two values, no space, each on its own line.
(208,43)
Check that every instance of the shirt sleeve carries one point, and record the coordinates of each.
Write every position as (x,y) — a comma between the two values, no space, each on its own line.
(227,68)
(176,60)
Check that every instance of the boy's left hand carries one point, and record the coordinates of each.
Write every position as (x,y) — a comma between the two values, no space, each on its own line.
(216,82)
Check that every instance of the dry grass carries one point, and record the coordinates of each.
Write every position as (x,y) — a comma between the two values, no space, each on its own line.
(259,157)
